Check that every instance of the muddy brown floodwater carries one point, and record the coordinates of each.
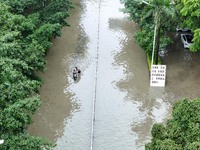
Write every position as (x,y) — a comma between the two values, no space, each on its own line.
(111,106)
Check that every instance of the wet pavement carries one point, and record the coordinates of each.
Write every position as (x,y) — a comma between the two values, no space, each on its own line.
(111,106)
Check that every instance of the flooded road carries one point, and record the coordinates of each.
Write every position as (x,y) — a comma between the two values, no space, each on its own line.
(111,106)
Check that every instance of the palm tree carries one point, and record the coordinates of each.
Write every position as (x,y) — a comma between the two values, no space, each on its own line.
(160,9)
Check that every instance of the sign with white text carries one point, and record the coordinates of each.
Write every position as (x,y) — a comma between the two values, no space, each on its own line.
(158,75)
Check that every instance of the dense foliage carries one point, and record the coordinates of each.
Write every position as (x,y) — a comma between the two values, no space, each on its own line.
(180,132)
(147,14)
(190,11)
(27,27)
(168,16)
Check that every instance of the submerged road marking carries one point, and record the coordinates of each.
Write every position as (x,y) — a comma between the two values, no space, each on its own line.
(95,83)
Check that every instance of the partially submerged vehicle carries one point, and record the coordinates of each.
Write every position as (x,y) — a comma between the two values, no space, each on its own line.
(186,40)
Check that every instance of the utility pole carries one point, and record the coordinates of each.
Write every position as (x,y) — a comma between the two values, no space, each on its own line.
(158,72)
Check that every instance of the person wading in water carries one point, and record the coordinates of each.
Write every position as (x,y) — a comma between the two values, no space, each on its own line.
(76,72)
(75,75)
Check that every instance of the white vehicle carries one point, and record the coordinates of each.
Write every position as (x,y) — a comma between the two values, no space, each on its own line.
(183,29)
(186,40)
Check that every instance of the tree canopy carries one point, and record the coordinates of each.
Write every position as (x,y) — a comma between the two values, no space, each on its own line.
(148,14)
(27,28)
(180,132)
(184,13)
(190,11)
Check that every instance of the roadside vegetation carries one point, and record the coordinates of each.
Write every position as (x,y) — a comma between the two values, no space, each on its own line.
(183,130)
(166,15)
(180,132)
(190,16)
(27,28)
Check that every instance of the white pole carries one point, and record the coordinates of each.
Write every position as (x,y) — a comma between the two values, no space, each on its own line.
(154,41)
(147,3)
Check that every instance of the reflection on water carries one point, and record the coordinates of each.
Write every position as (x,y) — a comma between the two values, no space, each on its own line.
(126,107)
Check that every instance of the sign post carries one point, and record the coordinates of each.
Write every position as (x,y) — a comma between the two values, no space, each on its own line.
(158,75)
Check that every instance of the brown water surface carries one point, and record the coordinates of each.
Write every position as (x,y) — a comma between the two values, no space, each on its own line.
(111,106)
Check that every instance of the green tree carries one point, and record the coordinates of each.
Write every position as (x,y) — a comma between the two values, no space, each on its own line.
(190,11)
(180,132)
(18,6)
(24,141)
(158,13)
(24,40)
(56,11)
(161,9)
(15,42)
(50,11)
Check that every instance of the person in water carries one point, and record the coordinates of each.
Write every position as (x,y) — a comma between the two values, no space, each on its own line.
(74,74)
(78,70)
